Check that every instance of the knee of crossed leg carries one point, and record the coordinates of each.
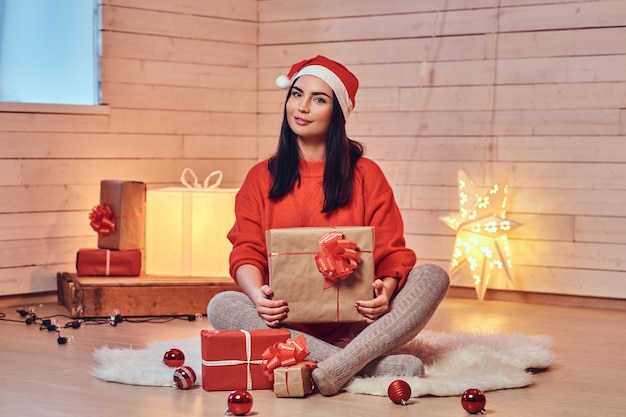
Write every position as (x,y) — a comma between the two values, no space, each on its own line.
(436,275)
(219,308)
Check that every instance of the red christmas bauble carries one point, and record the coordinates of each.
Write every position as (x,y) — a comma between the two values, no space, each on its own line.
(174,357)
(473,401)
(239,402)
(184,377)
(399,392)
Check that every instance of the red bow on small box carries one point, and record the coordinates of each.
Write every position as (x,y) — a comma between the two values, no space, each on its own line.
(101,218)
(287,353)
(338,258)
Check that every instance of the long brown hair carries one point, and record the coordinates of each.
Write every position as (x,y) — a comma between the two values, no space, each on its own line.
(342,153)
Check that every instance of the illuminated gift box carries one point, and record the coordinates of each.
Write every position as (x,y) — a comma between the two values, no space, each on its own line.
(127,202)
(186,230)
(293,381)
(105,262)
(295,277)
(233,359)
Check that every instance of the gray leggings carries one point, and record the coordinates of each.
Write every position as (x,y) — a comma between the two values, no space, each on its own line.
(409,312)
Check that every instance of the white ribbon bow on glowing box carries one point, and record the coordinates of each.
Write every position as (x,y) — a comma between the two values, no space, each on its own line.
(481,226)
(186,227)
(206,184)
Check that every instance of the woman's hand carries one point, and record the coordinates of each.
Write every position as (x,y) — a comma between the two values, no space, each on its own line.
(376,307)
(250,280)
(271,311)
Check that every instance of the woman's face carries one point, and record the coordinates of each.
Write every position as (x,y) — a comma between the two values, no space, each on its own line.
(309,108)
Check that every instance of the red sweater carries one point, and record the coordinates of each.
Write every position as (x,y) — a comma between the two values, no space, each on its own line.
(372,204)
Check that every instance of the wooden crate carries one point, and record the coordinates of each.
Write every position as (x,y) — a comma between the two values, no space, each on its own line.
(138,296)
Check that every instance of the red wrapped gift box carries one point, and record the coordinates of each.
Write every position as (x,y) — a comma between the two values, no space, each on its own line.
(232,359)
(104,262)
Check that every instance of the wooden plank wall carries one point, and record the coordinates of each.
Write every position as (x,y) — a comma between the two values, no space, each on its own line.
(179,79)
(532,88)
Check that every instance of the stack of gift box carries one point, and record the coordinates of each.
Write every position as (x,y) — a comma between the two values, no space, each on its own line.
(119,220)
(256,359)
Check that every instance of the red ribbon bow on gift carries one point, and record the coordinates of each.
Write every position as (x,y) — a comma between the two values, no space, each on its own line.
(286,353)
(101,218)
(338,258)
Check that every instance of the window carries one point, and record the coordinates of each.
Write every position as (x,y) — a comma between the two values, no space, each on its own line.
(50,51)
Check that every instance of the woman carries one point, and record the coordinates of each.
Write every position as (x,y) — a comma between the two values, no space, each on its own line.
(318,177)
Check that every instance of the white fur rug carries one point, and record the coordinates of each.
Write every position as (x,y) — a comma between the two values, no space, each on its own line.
(453,363)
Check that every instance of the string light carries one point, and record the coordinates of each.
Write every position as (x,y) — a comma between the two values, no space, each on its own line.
(115,317)
(50,323)
(62,340)
(481,245)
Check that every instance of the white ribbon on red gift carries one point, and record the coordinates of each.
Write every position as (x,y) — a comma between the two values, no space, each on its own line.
(248,360)
(107,268)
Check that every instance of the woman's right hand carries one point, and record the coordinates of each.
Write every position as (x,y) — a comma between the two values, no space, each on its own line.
(271,311)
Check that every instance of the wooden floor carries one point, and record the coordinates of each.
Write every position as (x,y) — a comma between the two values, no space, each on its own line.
(40,378)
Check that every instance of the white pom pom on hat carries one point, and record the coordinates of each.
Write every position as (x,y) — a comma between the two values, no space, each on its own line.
(344,83)
(283,82)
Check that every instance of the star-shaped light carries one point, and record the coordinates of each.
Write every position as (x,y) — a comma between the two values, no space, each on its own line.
(481,226)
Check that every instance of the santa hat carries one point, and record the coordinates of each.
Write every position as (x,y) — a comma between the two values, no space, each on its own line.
(339,78)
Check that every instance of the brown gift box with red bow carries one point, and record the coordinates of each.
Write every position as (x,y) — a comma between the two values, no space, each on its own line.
(233,359)
(127,201)
(295,277)
(105,262)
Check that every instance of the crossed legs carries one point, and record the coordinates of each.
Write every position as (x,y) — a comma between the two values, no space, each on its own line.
(410,310)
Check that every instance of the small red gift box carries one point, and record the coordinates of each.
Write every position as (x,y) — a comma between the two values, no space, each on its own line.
(232,359)
(104,262)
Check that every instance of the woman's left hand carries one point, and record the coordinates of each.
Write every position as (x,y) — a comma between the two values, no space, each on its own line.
(376,307)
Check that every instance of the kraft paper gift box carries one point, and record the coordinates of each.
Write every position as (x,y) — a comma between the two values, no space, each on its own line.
(294,275)
(105,262)
(232,359)
(186,231)
(127,200)
(293,381)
